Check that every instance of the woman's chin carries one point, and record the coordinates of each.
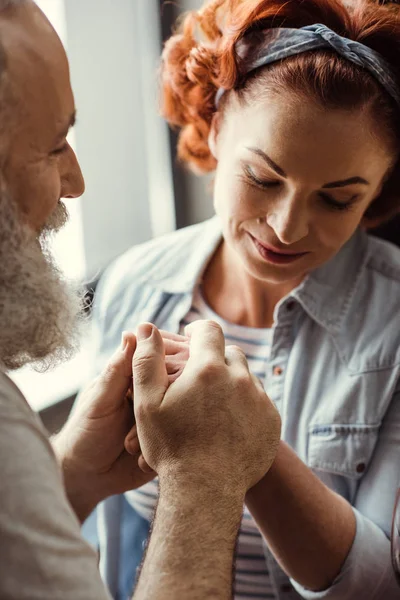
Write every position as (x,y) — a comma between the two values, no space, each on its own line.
(274,274)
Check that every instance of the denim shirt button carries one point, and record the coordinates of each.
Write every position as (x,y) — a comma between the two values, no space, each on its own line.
(360,468)
(290,306)
(277,371)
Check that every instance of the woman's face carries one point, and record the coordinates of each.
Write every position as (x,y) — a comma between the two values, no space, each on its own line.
(293,182)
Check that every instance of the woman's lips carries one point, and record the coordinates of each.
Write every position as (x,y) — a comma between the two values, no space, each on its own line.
(275,256)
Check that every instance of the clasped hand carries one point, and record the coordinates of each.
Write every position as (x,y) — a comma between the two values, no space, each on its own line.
(197,408)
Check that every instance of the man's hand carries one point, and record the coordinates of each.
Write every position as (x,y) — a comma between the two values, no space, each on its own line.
(214,420)
(90,448)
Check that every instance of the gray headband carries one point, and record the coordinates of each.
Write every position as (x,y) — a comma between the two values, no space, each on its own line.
(280,43)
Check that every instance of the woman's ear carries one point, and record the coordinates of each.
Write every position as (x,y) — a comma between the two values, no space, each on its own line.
(213,135)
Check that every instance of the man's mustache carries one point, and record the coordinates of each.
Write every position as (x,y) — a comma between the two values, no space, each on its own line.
(57,220)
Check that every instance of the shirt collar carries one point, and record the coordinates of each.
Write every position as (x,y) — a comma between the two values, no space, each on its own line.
(325,294)
(180,274)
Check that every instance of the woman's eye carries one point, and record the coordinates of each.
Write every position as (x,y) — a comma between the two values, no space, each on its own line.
(263,183)
(335,204)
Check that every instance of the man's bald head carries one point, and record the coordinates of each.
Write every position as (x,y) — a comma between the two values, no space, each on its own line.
(6,8)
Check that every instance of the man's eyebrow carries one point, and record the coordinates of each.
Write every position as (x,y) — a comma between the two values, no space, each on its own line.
(269,161)
(281,172)
(63,134)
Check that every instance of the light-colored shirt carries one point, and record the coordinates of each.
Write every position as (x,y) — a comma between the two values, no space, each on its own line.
(251,573)
(333,373)
(42,553)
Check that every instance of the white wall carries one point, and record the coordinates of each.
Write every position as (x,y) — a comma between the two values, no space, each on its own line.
(110,131)
(115,129)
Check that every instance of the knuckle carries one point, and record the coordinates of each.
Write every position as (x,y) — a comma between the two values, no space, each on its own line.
(244,380)
(141,361)
(141,411)
(204,324)
(207,371)
(214,325)
(145,411)
(235,351)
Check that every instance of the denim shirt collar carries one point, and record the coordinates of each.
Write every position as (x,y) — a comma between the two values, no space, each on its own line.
(325,294)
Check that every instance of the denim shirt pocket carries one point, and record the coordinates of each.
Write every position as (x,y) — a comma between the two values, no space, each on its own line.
(342,449)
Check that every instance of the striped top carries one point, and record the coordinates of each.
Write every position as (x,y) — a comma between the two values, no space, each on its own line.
(251,575)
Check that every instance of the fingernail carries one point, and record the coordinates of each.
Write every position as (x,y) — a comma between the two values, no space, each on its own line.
(144,332)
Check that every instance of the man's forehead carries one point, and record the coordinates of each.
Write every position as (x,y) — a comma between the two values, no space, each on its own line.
(38,72)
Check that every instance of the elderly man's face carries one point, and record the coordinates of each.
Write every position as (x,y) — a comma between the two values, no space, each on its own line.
(42,167)
(40,313)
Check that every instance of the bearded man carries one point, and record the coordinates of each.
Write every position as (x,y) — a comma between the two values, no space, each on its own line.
(42,554)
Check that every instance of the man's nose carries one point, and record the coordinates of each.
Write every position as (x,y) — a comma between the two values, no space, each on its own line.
(72,181)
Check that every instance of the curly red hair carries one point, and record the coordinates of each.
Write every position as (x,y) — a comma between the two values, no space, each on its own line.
(203,57)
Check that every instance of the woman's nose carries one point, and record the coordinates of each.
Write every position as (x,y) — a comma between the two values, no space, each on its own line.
(289,220)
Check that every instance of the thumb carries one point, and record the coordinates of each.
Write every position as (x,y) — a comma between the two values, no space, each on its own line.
(110,388)
(150,378)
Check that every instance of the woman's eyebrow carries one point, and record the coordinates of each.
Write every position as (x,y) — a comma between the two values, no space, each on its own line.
(344,182)
(269,161)
(333,184)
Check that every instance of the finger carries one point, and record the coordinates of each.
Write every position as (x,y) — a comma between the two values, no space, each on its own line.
(143,465)
(173,347)
(175,364)
(131,443)
(172,377)
(175,337)
(150,379)
(116,378)
(207,342)
(178,357)
(132,446)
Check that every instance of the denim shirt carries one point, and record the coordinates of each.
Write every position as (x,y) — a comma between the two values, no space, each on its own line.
(336,343)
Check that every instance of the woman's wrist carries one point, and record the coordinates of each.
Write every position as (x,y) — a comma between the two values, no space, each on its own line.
(270,475)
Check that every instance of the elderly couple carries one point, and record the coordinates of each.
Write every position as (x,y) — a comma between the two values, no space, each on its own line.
(264,433)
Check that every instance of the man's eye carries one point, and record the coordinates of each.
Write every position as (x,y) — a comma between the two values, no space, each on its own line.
(60,150)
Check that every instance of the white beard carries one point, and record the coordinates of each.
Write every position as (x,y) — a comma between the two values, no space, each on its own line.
(41,315)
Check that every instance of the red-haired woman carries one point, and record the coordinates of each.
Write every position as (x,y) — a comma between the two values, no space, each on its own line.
(296,107)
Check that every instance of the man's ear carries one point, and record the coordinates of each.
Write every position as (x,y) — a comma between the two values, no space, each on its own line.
(213,135)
